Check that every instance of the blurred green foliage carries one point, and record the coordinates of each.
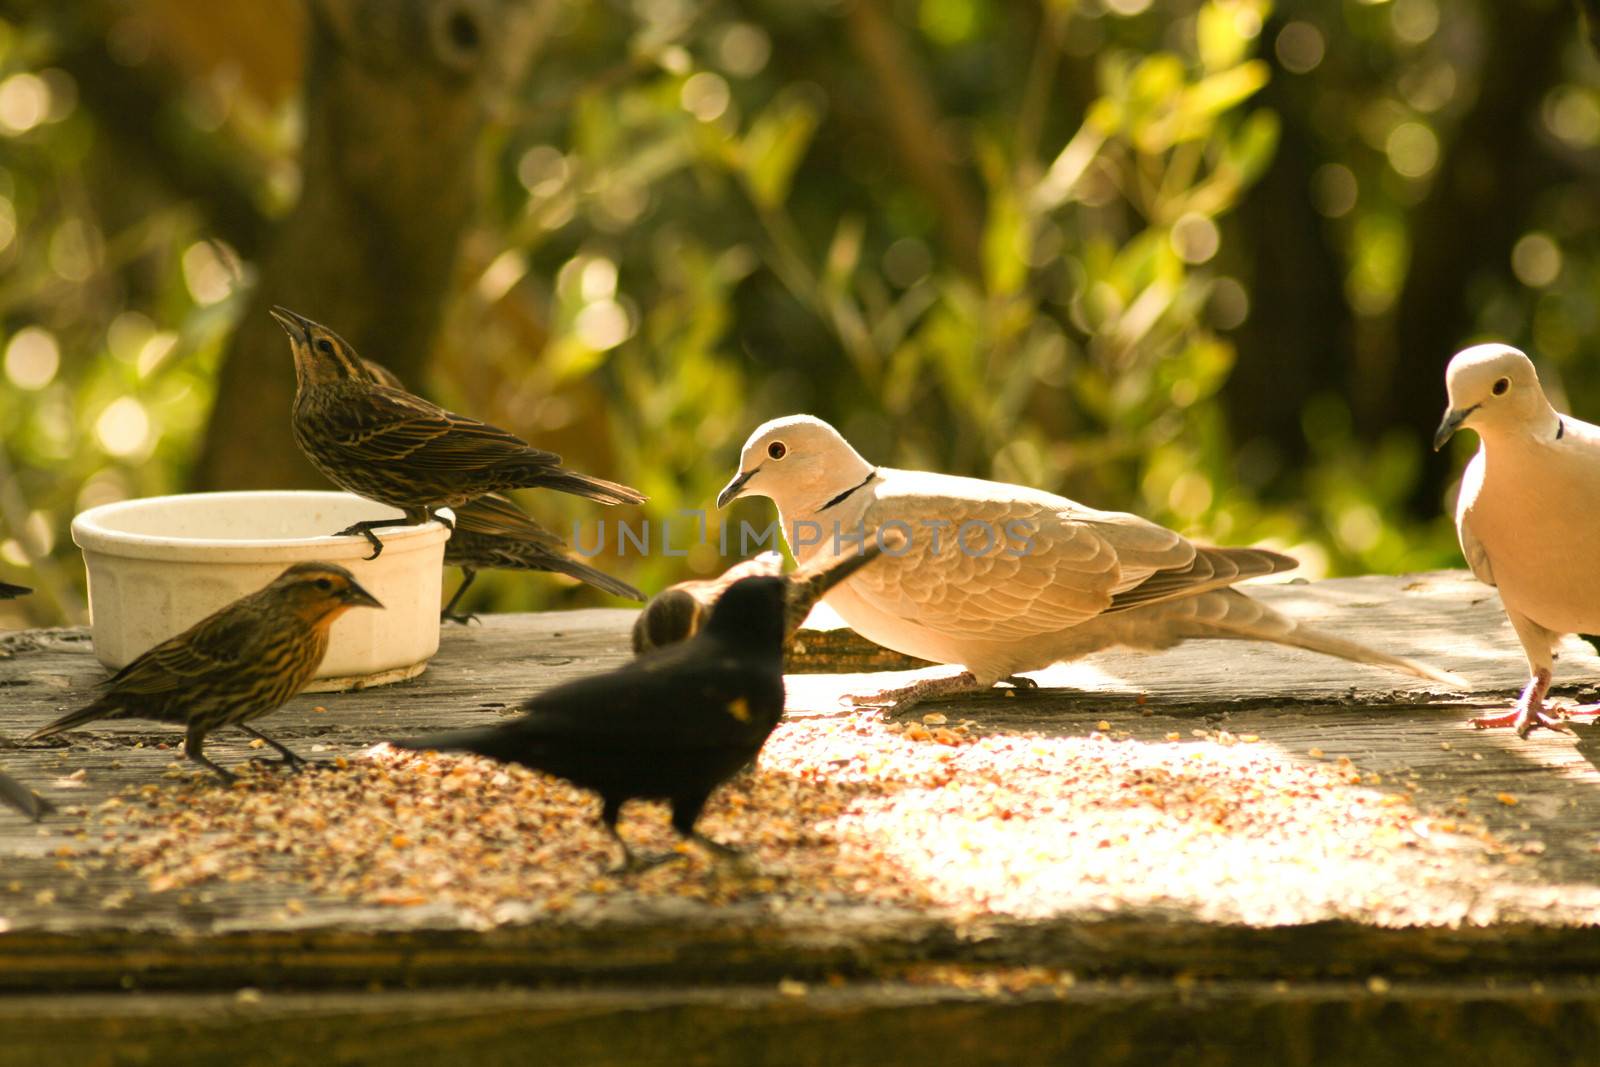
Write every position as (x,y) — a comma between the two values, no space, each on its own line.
(1006,239)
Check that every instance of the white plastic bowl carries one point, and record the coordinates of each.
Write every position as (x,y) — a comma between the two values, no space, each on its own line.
(159,565)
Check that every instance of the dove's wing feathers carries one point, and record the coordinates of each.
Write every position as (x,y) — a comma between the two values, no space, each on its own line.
(1211,568)
(1009,562)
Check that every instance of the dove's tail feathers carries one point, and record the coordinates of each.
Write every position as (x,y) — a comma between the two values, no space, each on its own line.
(496,742)
(103,708)
(1229,613)
(812,581)
(24,799)
(564,481)
(1211,568)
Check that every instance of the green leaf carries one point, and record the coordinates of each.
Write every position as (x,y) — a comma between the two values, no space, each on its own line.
(772,150)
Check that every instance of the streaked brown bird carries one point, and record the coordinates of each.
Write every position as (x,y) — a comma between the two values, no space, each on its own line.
(493,533)
(392,446)
(234,666)
(22,798)
(677,612)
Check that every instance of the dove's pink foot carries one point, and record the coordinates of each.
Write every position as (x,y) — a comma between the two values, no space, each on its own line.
(1528,714)
(907,696)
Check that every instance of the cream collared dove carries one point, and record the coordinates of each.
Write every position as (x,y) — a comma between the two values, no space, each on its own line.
(1523,512)
(1002,579)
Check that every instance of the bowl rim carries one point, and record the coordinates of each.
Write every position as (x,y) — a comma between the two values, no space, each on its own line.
(90,533)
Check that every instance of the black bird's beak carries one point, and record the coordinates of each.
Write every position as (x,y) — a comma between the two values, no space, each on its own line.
(1452,422)
(298,327)
(731,491)
(358,597)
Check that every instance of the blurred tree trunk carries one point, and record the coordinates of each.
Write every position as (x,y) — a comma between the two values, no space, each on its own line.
(1297,340)
(397,94)
(1464,230)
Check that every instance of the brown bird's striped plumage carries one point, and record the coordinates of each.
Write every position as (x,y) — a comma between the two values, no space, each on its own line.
(493,533)
(677,612)
(389,445)
(233,666)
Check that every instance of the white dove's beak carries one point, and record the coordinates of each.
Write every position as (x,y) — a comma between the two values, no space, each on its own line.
(1452,422)
(731,491)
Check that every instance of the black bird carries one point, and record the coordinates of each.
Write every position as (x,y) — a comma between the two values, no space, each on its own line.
(24,799)
(386,444)
(11,592)
(672,724)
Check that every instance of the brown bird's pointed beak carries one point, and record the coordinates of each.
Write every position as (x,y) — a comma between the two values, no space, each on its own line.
(298,327)
(1452,422)
(731,491)
(358,597)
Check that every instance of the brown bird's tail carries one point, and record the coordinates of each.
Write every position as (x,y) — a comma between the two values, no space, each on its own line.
(100,709)
(599,579)
(1228,613)
(498,516)
(564,481)
(24,799)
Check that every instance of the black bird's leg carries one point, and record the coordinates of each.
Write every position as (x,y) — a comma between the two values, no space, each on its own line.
(290,759)
(193,747)
(685,813)
(447,615)
(365,528)
(631,864)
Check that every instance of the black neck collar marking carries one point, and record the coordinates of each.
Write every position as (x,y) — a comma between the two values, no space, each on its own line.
(1561,427)
(840,499)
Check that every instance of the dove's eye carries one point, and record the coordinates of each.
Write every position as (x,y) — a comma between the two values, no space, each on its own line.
(1501,386)
(325,346)
(777,450)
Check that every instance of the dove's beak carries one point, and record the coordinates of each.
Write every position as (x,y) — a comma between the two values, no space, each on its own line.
(298,327)
(358,597)
(1452,422)
(731,491)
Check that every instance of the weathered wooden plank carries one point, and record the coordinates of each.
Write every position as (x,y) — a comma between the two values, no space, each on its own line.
(1538,901)
(1135,1022)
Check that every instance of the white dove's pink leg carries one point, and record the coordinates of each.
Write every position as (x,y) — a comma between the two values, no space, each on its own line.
(1528,713)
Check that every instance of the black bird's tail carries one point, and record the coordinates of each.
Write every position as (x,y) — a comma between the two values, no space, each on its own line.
(564,481)
(496,742)
(100,709)
(24,799)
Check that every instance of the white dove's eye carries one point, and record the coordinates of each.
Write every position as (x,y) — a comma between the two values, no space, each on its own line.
(1501,386)
(777,450)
